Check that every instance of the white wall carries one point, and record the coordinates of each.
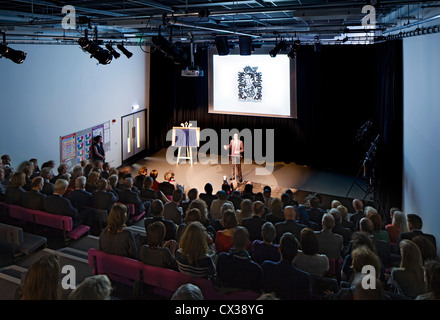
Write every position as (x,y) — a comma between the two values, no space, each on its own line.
(421,147)
(59,90)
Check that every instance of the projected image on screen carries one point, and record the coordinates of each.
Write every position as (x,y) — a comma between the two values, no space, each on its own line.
(252,85)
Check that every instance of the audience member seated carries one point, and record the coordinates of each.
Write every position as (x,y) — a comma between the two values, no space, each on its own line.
(192,195)
(207,196)
(193,256)
(188,291)
(358,213)
(57,204)
(204,215)
(293,202)
(248,192)
(147,191)
(77,171)
(266,249)
(361,256)
(62,169)
(138,181)
(157,252)
(216,204)
(408,278)
(43,280)
(14,191)
(6,162)
(315,212)
(169,184)
(153,174)
(267,194)
(113,185)
(218,224)
(255,223)
(28,171)
(128,196)
(282,277)
(48,187)
(236,269)
(223,238)
(235,198)
(244,211)
(426,247)
(338,228)
(432,281)
(34,199)
(80,198)
(290,224)
(398,225)
(379,233)
(102,199)
(345,223)
(335,204)
(285,199)
(192,214)
(276,211)
(105,173)
(415,224)
(359,238)
(116,238)
(157,208)
(96,287)
(172,210)
(308,259)
(330,244)
(92,179)
(36,171)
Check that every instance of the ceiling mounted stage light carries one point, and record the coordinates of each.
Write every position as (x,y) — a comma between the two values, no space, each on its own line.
(103,56)
(112,51)
(127,53)
(282,45)
(171,51)
(11,54)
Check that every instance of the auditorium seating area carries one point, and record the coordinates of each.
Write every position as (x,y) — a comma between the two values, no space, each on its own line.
(26,235)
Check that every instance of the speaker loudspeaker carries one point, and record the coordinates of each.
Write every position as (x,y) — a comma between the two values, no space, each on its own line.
(245,43)
(221,42)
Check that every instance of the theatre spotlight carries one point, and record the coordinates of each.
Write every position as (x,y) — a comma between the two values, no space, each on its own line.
(127,53)
(171,51)
(11,54)
(282,45)
(103,56)
(112,51)
(292,53)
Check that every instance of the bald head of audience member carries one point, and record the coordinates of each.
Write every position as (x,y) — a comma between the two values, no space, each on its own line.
(358,205)
(290,213)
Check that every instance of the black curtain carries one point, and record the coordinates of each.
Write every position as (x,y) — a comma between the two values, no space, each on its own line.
(335,97)
(389,117)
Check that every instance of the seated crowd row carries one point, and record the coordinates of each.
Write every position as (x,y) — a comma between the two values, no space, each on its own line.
(250,241)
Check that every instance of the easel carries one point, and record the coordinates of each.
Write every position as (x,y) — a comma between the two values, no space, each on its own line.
(187,137)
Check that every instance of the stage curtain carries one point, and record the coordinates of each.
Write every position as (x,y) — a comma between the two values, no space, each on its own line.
(389,117)
(336,96)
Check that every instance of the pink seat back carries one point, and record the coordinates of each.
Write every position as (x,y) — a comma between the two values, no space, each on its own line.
(21,213)
(52,220)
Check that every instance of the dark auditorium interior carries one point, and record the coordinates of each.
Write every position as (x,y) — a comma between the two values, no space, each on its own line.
(121,178)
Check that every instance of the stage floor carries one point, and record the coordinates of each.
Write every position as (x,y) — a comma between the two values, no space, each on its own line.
(299,178)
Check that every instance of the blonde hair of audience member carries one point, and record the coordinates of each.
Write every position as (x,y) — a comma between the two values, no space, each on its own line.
(169,175)
(400,221)
(117,219)
(344,211)
(93,178)
(143,171)
(362,256)
(192,215)
(18,180)
(245,210)
(370,210)
(203,208)
(335,204)
(188,291)
(193,243)
(43,280)
(96,287)
(411,262)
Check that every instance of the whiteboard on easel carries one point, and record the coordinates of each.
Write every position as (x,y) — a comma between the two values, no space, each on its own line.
(185,137)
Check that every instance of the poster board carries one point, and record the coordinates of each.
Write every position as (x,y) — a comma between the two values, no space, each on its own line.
(76,147)
(185,137)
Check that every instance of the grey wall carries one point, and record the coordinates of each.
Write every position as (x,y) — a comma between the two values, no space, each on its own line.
(60,90)
(421,147)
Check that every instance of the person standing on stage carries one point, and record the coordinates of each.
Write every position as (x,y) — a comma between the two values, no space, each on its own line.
(236,147)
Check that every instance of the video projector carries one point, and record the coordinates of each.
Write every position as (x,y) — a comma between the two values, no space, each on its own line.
(192,72)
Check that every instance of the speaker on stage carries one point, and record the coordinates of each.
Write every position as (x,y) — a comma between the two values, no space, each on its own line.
(245,43)
(221,42)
